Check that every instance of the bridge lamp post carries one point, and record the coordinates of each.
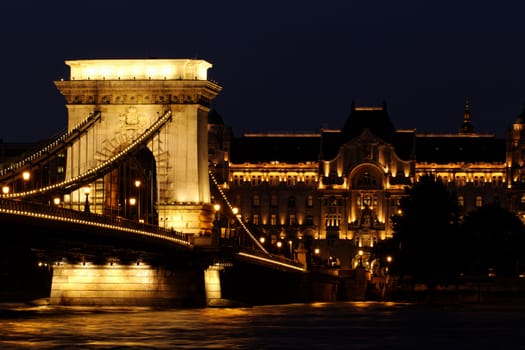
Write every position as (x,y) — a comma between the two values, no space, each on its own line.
(216,222)
(132,201)
(56,201)
(87,190)
(26,176)
(279,244)
(137,185)
(317,256)
(235,212)
(5,189)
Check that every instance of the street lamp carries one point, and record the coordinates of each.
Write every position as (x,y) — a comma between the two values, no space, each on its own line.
(216,208)
(5,189)
(216,226)
(317,256)
(279,245)
(137,185)
(87,189)
(388,261)
(235,212)
(26,175)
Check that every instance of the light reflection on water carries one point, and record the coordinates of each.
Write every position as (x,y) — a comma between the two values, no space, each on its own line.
(343,325)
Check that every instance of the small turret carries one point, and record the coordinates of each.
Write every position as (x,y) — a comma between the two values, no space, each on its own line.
(467,127)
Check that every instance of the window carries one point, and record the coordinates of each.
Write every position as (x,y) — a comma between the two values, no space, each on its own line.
(291,202)
(310,201)
(273,200)
(333,213)
(479,201)
(461,201)
(273,220)
(255,219)
(256,200)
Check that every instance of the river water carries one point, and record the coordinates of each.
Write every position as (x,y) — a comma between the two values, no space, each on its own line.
(341,325)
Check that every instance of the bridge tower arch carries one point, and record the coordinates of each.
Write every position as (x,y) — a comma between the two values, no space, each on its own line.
(131,95)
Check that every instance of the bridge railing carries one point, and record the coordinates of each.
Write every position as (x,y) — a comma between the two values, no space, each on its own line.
(55,212)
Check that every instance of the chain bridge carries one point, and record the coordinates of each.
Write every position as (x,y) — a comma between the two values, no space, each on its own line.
(118,206)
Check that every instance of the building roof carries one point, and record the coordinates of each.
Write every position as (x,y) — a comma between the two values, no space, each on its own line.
(402,141)
(374,118)
(466,146)
(443,149)
(289,148)
(214,117)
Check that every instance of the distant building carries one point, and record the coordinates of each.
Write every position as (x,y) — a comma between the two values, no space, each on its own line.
(333,192)
(336,190)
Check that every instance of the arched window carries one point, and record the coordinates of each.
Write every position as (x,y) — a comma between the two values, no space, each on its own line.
(367,179)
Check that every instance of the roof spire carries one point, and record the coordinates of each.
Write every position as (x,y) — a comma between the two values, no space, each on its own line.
(466,127)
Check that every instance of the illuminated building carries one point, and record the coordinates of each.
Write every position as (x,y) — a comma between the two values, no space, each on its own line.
(338,189)
(333,192)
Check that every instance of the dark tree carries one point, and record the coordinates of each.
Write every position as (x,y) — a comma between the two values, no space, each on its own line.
(493,238)
(425,233)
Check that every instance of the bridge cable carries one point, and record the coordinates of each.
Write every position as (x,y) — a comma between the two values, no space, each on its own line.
(51,148)
(223,195)
(94,173)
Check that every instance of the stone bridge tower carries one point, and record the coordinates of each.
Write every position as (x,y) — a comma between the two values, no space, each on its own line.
(131,94)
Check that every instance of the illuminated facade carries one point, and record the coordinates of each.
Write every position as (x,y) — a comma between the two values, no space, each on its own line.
(132,96)
(337,189)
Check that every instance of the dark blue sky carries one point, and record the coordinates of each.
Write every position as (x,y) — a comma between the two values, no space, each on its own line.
(283,65)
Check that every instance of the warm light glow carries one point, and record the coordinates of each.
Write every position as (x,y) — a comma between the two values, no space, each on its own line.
(317,251)
(132,201)
(26,175)
(137,183)
(56,200)
(279,244)
(216,207)
(262,239)
(360,253)
(235,210)
(5,189)
(389,259)
(87,190)
(131,69)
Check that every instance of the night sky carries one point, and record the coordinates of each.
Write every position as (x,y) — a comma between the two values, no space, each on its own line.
(283,65)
